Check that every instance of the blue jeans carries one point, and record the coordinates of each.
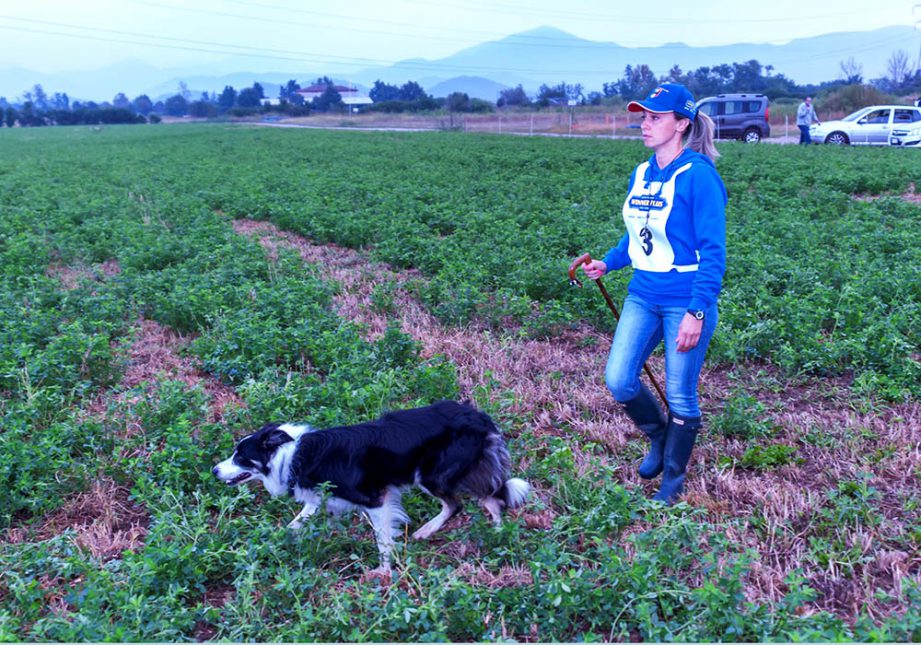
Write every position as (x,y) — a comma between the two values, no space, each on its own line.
(804,137)
(642,326)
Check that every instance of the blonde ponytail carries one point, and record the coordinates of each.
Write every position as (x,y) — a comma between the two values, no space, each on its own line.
(700,138)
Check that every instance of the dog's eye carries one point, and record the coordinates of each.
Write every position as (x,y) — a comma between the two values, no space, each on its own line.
(245,462)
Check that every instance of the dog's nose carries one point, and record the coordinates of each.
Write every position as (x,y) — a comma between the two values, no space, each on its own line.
(214,471)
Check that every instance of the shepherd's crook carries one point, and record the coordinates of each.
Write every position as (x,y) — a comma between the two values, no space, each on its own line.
(573,281)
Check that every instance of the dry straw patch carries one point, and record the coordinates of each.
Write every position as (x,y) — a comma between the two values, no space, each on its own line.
(156,354)
(104,520)
(558,386)
(909,196)
(72,277)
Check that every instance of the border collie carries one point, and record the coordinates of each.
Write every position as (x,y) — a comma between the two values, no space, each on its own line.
(447,449)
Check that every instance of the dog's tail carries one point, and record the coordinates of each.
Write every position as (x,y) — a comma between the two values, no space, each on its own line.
(514,492)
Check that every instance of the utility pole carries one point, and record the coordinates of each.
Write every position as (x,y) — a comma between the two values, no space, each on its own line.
(914,9)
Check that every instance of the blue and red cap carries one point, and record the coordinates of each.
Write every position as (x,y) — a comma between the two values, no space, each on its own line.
(668,97)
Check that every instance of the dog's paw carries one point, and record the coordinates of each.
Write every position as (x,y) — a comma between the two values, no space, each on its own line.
(422,534)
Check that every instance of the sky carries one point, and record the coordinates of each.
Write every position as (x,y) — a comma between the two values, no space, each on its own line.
(52,36)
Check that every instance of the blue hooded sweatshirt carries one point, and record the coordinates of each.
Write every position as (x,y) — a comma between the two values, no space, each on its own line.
(676,232)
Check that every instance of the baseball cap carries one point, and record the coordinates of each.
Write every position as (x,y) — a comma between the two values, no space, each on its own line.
(668,97)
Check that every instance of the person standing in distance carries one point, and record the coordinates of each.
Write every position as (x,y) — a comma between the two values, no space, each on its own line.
(675,215)
(805,115)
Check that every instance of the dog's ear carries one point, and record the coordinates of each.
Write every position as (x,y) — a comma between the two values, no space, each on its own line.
(275,438)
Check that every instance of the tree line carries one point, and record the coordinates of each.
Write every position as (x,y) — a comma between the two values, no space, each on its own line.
(38,108)
(750,76)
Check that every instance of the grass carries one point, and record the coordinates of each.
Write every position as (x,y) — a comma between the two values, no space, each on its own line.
(151,315)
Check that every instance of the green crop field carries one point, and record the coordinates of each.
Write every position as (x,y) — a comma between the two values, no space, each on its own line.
(166,289)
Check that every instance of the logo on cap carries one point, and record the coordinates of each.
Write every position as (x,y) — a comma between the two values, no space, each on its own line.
(657,91)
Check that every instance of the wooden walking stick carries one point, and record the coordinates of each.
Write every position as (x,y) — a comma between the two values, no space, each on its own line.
(573,281)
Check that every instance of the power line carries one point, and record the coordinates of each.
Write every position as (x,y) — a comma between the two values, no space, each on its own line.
(520,39)
(302,57)
(199,45)
(593,17)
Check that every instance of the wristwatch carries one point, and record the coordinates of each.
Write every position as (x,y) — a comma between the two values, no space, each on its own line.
(697,313)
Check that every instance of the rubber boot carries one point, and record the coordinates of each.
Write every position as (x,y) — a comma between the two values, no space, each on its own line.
(644,411)
(679,443)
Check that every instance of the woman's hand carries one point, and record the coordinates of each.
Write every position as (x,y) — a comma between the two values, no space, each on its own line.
(689,333)
(595,269)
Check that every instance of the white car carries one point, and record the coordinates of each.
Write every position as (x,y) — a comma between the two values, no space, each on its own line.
(906,136)
(869,126)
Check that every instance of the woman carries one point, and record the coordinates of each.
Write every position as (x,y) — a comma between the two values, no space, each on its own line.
(676,243)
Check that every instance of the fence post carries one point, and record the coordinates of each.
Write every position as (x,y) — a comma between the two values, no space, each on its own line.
(613,126)
(531,128)
(786,125)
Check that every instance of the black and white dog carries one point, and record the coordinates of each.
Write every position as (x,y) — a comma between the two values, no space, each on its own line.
(448,449)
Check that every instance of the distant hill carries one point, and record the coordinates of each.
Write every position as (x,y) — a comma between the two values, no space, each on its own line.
(539,56)
(550,56)
(472,86)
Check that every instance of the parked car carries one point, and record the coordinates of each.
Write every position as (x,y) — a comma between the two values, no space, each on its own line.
(906,137)
(738,116)
(869,126)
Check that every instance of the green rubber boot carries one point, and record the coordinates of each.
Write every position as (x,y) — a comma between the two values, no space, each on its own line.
(644,411)
(680,436)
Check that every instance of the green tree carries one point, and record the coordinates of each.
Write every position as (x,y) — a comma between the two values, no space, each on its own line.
(60,101)
(746,77)
(202,109)
(457,102)
(702,82)
(548,94)
(227,99)
(674,75)
(558,94)
(39,98)
(29,116)
(329,100)
(143,104)
(637,82)
(513,96)
(249,97)
(121,101)
(384,92)
(852,71)
(288,92)
(177,105)
(10,116)
(412,91)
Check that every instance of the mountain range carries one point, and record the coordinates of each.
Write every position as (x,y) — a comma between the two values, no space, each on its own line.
(540,56)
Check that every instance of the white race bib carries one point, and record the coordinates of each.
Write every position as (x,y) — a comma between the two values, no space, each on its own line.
(649,247)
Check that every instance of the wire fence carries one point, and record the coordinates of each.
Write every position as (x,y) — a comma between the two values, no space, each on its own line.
(559,123)
(572,123)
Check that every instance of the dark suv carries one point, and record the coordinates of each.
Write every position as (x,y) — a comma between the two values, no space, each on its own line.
(738,116)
